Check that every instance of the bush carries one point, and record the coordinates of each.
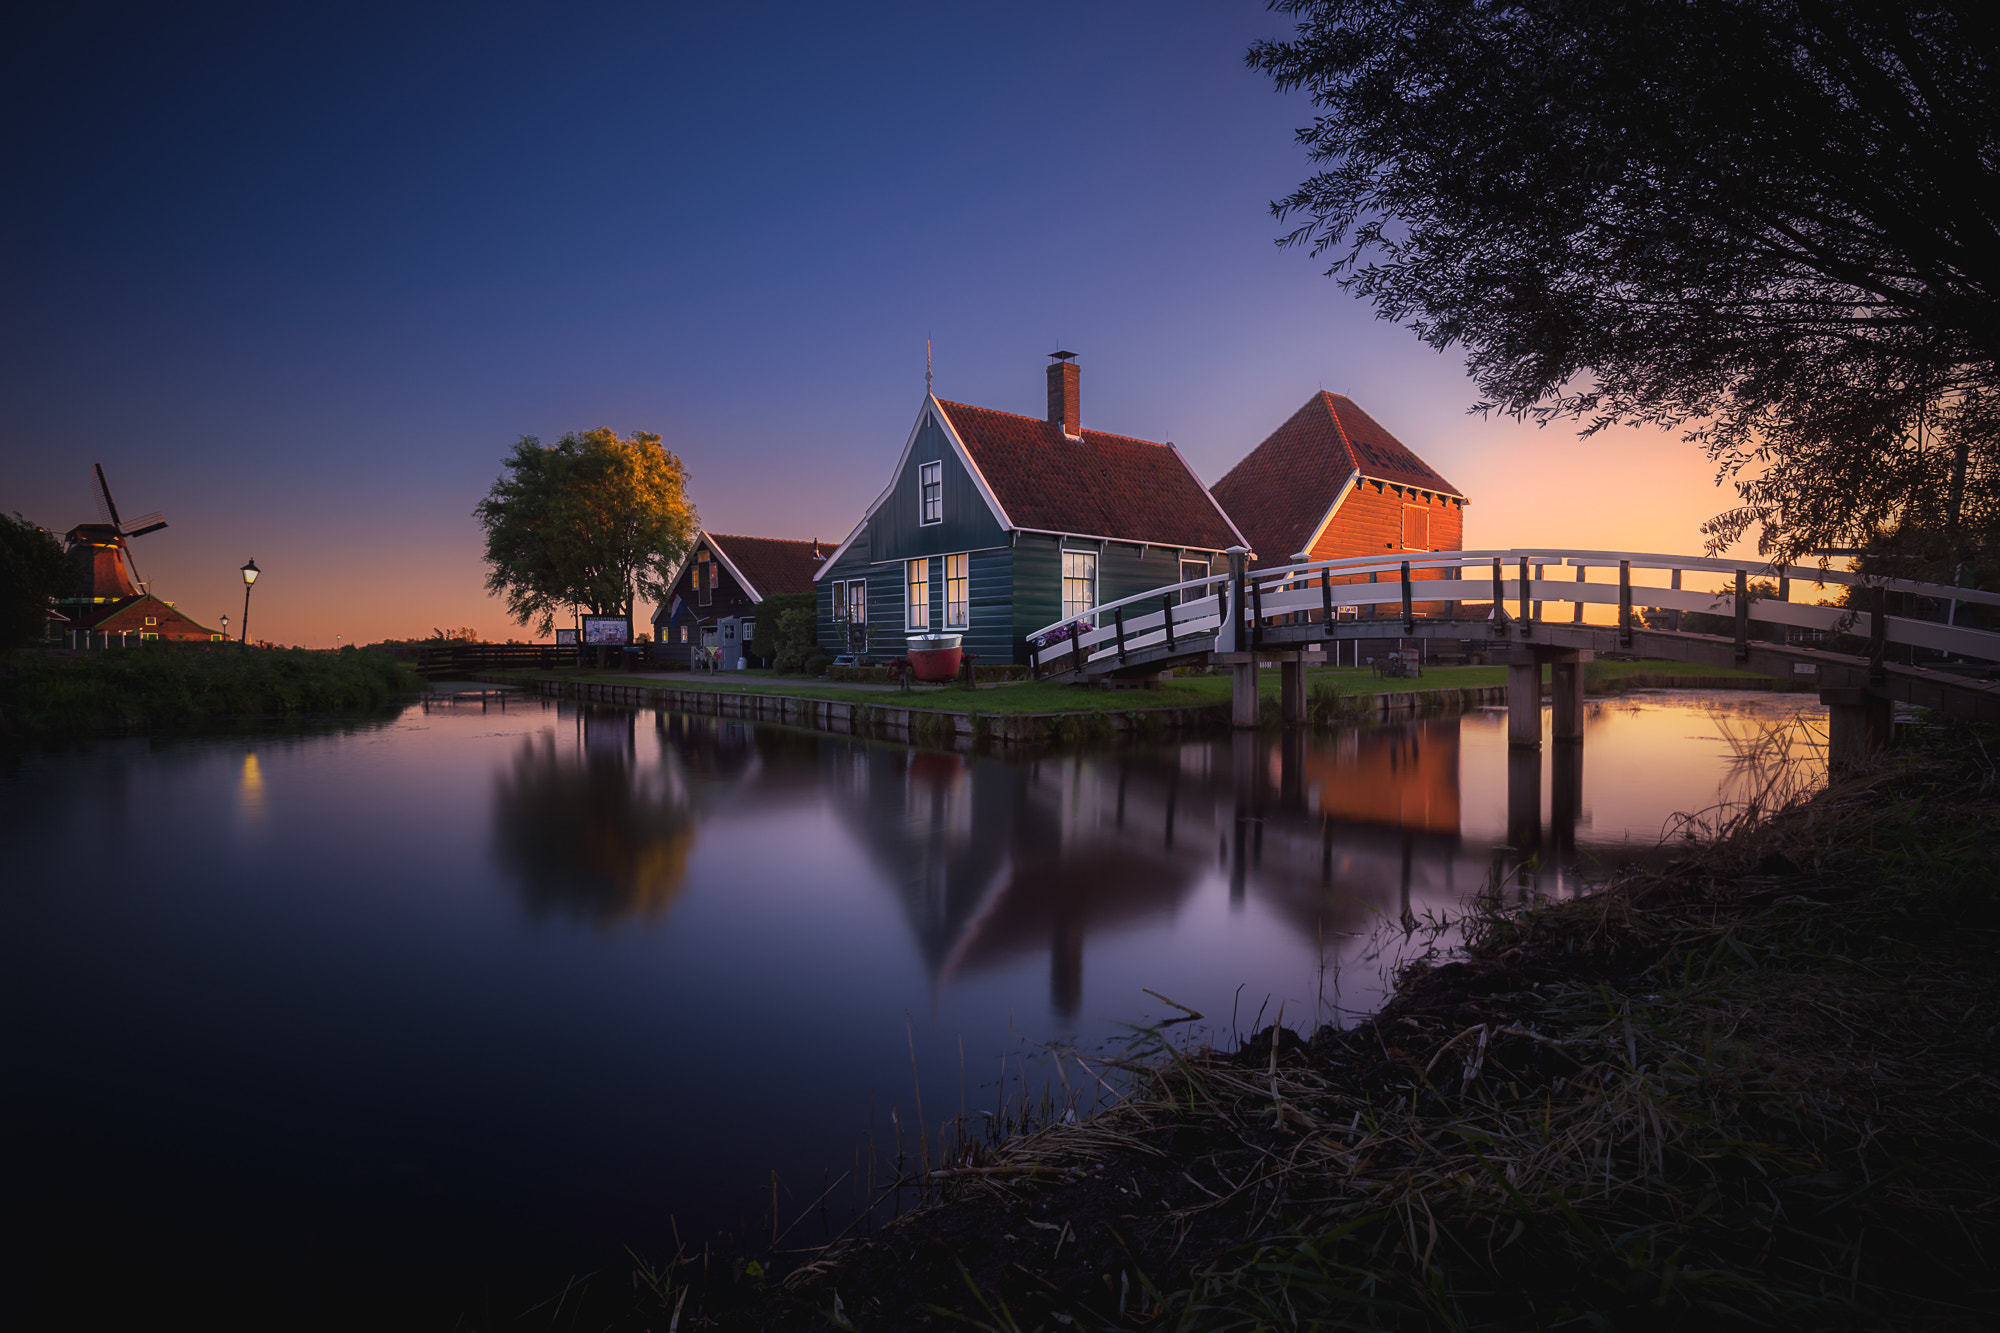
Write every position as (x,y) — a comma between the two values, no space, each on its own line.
(784,637)
(859,675)
(816,664)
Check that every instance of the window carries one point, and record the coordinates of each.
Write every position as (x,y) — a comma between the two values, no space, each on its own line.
(684,633)
(957,608)
(1193,569)
(857,601)
(152,620)
(839,601)
(1416,528)
(147,638)
(704,579)
(917,600)
(930,484)
(1079,582)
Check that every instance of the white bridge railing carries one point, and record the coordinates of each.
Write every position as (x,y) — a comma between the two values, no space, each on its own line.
(1194,615)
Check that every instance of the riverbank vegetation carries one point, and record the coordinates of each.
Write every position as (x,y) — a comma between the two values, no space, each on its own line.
(1329,686)
(1755,1086)
(178,685)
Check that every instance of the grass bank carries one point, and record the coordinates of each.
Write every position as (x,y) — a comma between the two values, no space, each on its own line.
(1754,1088)
(175,685)
(1181,692)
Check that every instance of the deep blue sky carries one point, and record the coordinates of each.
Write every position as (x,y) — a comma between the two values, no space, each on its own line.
(300,275)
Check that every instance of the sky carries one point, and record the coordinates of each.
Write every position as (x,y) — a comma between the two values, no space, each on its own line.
(301,275)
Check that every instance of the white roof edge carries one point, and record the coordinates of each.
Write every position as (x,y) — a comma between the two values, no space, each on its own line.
(1339,498)
(1208,495)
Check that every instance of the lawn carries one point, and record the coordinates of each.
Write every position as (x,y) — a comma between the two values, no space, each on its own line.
(1042,697)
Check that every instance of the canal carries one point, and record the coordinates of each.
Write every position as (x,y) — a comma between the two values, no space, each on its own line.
(430,1014)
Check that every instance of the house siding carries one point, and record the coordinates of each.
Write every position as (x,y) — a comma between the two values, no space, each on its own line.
(1370,523)
(728,599)
(895,529)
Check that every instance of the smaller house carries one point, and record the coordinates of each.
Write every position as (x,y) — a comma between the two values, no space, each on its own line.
(139,618)
(725,579)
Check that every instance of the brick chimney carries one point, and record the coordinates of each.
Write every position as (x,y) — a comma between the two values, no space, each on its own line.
(1064,378)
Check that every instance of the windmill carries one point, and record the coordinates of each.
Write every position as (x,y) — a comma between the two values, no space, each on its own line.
(99,548)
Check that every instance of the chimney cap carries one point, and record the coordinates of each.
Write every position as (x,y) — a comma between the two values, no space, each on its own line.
(1062,356)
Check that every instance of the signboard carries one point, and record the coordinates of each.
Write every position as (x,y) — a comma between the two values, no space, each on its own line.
(565,637)
(607,631)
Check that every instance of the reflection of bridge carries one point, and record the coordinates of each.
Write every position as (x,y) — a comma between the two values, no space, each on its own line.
(1285,616)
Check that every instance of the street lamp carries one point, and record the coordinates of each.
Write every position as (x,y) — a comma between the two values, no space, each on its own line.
(250,572)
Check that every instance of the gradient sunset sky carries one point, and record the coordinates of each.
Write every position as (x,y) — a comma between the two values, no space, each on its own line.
(300,275)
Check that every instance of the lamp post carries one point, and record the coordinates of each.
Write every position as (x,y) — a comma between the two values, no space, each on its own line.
(225,629)
(250,572)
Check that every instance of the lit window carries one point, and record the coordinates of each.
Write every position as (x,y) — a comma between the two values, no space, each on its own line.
(1416,528)
(957,608)
(152,620)
(857,601)
(919,596)
(930,478)
(684,633)
(1079,582)
(704,579)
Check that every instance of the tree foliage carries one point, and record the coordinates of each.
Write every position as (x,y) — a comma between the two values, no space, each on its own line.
(784,636)
(34,571)
(584,523)
(1772,224)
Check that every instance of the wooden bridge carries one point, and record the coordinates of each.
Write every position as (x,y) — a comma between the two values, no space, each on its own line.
(1507,603)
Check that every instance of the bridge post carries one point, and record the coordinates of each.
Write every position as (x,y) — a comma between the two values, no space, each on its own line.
(1243,690)
(1524,701)
(1576,614)
(1292,688)
(1742,617)
(1229,634)
(1567,677)
(1859,723)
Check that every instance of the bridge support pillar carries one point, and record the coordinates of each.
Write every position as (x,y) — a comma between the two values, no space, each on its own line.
(1292,688)
(1858,724)
(1524,704)
(1567,677)
(1243,689)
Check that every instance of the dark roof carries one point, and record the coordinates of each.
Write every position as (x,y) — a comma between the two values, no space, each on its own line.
(1282,489)
(1098,486)
(772,564)
(91,614)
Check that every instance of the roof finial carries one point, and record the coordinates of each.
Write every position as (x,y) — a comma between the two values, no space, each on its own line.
(927,368)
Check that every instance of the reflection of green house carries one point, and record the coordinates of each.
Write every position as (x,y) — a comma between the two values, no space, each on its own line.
(994,525)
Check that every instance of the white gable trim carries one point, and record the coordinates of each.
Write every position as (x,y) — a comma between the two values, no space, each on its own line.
(931,407)
(1208,495)
(1340,498)
(729,564)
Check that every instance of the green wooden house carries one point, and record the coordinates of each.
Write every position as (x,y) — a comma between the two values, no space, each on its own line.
(994,525)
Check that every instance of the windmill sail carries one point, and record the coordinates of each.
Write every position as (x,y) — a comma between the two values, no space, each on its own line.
(107,509)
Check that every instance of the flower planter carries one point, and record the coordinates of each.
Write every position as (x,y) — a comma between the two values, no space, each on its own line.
(935,657)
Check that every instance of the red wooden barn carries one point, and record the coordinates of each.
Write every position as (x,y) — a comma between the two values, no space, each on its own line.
(1331,482)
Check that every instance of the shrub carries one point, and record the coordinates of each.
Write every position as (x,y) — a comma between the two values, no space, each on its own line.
(785,630)
(816,664)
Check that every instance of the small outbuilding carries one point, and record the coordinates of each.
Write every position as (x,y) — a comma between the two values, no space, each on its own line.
(729,577)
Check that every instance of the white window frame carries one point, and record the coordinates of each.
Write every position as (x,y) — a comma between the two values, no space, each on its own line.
(839,601)
(930,493)
(917,594)
(958,610)
(857,599)
(1072,610)
(704,581)
(1187,566)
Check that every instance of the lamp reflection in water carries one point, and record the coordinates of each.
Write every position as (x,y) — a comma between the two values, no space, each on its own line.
(589,833)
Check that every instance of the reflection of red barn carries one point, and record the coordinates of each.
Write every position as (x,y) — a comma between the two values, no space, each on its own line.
(1331,482)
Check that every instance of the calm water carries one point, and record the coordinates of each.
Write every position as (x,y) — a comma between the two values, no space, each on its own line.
(426,1015)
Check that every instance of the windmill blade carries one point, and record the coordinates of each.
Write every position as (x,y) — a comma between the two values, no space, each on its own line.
(108,506)
(139,527)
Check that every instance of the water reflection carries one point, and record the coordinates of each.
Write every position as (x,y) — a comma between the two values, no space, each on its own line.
(590,831)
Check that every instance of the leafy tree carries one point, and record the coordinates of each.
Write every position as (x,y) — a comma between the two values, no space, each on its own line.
(584,523)
(34,571)
(780,639)
(1768,223)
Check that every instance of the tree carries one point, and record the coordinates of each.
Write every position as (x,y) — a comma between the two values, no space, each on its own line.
(34,571)
(1771,224)
(784,636)
(585,522)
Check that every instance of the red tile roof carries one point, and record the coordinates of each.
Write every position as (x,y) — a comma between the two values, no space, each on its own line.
(772,564)
(1283,487)
(1098,486)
